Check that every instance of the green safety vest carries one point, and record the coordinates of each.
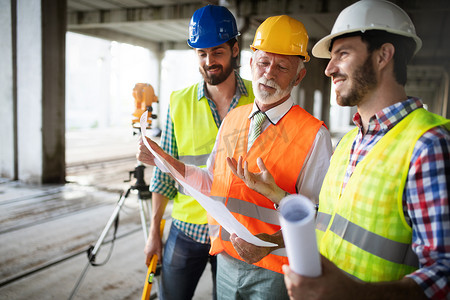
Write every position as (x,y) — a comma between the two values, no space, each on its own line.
(195,133)
(363,229)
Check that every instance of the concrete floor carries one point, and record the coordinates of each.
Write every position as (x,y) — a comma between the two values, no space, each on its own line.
(46,230)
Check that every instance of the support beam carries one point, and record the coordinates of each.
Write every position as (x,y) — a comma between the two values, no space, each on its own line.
(53,92)
(111,35)
(41,91)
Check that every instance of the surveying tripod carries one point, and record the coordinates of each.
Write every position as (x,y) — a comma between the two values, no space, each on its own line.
(144,195)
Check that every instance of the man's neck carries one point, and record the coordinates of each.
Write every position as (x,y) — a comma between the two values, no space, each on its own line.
(379,99)
(222,94)
(265,107)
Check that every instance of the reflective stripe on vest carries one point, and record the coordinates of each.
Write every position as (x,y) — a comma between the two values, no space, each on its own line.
(365,221)
(296,130)
(387,249)
(195,133)
(264,214)
(199,161)
(196,160)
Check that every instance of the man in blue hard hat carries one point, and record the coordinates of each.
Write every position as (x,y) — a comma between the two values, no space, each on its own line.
(194,116)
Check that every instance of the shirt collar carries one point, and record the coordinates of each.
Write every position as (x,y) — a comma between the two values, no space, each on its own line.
(240,90)
(389,116)
(274,114)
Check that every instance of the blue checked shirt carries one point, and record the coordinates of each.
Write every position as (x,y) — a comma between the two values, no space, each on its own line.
(425,199)
(163,184)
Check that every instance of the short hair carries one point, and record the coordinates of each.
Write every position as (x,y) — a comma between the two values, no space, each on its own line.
(404,48)
(235,61)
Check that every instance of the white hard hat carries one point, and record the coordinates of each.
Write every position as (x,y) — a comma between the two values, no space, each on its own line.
(369,15)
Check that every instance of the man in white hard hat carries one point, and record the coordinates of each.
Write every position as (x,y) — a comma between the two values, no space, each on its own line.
(195,114)
(383,223)
(272,134)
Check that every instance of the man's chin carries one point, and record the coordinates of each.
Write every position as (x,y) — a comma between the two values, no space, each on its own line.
(267,100)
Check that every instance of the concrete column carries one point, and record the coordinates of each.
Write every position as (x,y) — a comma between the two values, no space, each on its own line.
(40,90)
(54,22)
(8,130)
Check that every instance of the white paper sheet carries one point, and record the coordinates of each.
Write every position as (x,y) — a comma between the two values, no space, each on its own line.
(215,208)
(297,215)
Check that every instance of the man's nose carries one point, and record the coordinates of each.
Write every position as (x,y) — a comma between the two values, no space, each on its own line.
(270,72)
(209,60)
(331,68)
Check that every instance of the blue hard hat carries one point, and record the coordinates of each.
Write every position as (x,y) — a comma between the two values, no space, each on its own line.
(211,26)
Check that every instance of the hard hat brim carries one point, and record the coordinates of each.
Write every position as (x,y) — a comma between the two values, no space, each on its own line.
(209,44)
(306,57)
(322,48)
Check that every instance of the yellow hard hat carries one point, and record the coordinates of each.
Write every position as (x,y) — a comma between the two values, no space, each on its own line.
(282,35)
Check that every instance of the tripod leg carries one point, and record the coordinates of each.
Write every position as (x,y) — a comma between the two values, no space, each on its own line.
(144,211)
(110,222)
(99,242)
(80,279)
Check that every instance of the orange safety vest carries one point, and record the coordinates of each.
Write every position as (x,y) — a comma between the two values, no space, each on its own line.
(283,148)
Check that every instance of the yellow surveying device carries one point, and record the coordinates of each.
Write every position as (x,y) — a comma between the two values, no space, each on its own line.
(144,97)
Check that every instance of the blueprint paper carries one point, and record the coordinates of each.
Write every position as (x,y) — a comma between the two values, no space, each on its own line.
(297,217)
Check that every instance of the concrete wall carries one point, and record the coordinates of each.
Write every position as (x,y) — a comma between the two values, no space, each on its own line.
(7,95)
(32,90)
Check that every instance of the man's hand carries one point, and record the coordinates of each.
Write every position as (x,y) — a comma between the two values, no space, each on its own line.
(251,253)
(262,182)
(153,246)
(144,155)
(334,284)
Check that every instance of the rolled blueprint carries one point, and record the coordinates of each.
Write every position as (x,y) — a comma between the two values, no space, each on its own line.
(297,216)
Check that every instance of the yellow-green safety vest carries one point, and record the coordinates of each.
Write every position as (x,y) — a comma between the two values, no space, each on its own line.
(195,132)
(363,229)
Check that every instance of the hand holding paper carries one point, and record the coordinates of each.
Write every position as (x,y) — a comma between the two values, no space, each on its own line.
(215,208)
(251,253)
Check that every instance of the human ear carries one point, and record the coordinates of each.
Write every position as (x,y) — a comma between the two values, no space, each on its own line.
(385,54)
(300,76)
(235,50)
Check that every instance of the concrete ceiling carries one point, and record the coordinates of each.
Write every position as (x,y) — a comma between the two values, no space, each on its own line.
(163,24)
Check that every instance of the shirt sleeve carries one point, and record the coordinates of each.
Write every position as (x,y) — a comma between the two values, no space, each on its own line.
(202,178)
(428,209)
(316,166)
(161,182)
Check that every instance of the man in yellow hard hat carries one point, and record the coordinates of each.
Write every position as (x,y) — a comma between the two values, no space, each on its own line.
(195,114)
(272,135)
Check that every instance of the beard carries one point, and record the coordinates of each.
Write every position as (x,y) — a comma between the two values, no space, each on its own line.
(215,79)
(364,80)
(266,97)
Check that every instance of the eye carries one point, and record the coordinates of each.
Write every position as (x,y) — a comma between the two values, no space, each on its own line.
(342,55)
(283,68)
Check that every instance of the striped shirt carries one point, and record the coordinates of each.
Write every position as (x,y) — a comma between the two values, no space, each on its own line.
(425,198)
(163,184)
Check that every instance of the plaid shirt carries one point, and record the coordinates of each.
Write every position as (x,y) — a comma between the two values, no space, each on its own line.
(163,184)
(425,198)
